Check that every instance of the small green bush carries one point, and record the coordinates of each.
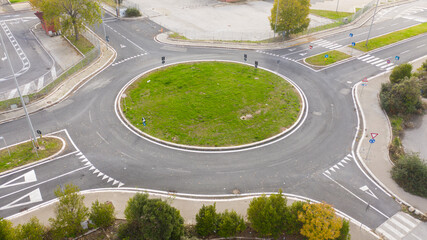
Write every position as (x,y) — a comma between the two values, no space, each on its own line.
(230,223)
(344,231)
(6,230)
(410,172)
(401,98)
(102,214)
(293,225)
(33,230)
(132,12)
(401,72)
(207,220)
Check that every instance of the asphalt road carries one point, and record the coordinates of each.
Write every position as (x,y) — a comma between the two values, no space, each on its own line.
(299,164)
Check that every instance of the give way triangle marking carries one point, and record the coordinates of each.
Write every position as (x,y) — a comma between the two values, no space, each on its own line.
(368,191)
(27,178)
(34,196)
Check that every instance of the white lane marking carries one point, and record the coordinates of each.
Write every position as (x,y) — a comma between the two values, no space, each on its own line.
(40,83)
(380,28)
(26,88)
(422,45)
(35,196)
(53,72)
(377,61)
(364,56)
(54,178)
(371,60)
(27,177)
(102,138)
(394,24)
(12,93)
(354,195)
(368,191)
(404,52)
(125,38)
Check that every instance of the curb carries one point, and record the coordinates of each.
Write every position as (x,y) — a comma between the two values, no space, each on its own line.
(301,118)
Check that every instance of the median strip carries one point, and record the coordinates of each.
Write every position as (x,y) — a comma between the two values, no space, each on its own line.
(391,38)
(327,58)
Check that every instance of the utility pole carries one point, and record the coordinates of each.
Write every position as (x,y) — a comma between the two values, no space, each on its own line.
(373,17)
(338,2)
(34,140)
(277,13)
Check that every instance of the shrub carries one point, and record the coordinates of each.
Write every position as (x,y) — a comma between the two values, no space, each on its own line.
(6,229)
(268,215)
(344,231)
(401,72)
(32,230)
(410,172)
(102,214)
(132,12)
(207,220)
(293,225)
(230,223)
(401,98)
(70,212)
(319,222)
(151,219)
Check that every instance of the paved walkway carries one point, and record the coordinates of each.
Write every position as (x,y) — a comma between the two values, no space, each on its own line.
(378,161)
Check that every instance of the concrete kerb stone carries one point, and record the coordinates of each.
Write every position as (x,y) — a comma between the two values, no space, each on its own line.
(188,204)
(363,129)
(162,37)
(301,118)
(64,144)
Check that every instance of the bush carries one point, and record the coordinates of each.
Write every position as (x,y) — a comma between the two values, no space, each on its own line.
(319,222)
(344,231)
(70,212)
(410,172)
(401,72)
(293,225)
(102,214)
(268,215)
(6,230)
(151,219)
(32,230)
(207,221)
(132,12)
(401,98)
(230,223)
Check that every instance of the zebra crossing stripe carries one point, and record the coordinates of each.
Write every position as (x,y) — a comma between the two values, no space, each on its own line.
(332,48)
(40,83)
(390,68)
(26,88)
(366,59)
(364,56)
(388,65)
(388,236)
(377,62)
(394,230)
(318,40)
(407,221)
(328,45)
(12,93)
(381,64)
(400,225)
(369,61)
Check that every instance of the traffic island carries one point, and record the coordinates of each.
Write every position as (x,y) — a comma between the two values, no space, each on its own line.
(327,58)
(24,153)
(211,105)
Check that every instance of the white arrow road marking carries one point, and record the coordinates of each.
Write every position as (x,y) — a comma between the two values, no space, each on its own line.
(27,177)
(122,46)
(368,191)
(303,54)
(292,49)
(35,196)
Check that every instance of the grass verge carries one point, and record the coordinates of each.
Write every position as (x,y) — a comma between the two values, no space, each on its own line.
(211,104)
(330,14)
(18,1)
(82,44)
(391,38)
(23,153)
(333,56)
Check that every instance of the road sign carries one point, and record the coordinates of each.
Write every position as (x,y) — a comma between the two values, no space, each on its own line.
(388,61)
(39,132)
(371,140)
(143,122)
(353,44)
(351,34)
(326,56)
(311,46)
(373,135)
(365,80)
(397,57)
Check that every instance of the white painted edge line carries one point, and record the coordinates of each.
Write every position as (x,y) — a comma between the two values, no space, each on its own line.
(191,197)
(301,119)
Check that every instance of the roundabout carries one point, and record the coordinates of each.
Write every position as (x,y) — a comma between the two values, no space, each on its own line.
(211,105)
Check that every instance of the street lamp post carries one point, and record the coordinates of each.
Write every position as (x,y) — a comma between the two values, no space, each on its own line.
(34,140)
(338,2)
(4,140)
(373,17)
(277,13)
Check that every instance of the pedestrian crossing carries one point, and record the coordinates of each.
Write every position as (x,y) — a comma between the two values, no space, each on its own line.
(326,44)
(398,227)
(377,62)
(412,11)
(276,55)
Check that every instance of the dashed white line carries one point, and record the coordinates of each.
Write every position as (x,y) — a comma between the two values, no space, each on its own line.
(404,52)
(422,45)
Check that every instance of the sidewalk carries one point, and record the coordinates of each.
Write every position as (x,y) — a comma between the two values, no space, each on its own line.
(378,162)
(8,8)
(188,207)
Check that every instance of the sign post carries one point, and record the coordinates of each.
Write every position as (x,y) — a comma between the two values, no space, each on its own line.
(4,140)
(364,84)
(371,141)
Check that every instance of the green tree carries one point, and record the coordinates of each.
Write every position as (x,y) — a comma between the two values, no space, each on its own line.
(292,16)
(151,219)
(207,220)
(344,231)
(33,230)
(102,214)
(6,230)
(230,223)
(401,72)
(401,98)
(268,215)
(70,16)
(293,225)
(410,172)
(70,212)
(319,222)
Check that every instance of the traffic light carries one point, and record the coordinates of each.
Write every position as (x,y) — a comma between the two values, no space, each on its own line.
(256,64)
(245,57)
(163,60)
